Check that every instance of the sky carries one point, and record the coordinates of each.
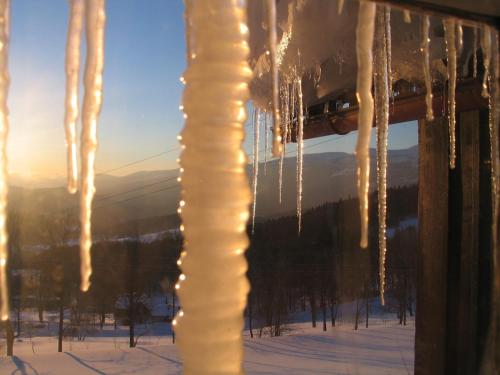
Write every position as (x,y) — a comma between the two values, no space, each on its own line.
(144,58)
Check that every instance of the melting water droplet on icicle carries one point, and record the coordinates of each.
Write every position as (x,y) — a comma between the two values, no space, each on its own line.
(364,41)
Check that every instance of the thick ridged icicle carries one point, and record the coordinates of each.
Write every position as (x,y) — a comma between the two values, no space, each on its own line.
(300,150)
(382,120)
(77,12)
(4,131)
(486,48)
(427,71)
(273,40)
(213,287)
(451,56)
(285,126)
(95,21)
(255,180)
(266,141)
(364,41)
(388,43)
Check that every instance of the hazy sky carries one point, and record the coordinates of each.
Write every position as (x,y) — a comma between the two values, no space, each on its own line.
(144,58)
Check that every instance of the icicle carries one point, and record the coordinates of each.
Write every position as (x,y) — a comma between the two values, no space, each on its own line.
(277,141)
(388,43)
(407,16)
(300,150)
(72,79)
(364,40)
(460,38)
(451,56)
(4,130)
(256,126)
(474,57)
(486,48)
(285,121)
(382,120)
(341,6)
(427,72)
(215,212)
(94,64)
(494,123)
(266,141)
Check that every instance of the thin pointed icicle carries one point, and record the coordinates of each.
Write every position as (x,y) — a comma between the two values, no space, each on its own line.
(407,16)
(451,56)
(486,48)
(300,151)
(474,56)
(94,64)
(460,38)
(266,141)
(427,71)
(364,41)
(381,83)
(341,6)
(285,121)
(388,42)
(256,126)
(273,40)
(73,42)
(4,131)
(494,123)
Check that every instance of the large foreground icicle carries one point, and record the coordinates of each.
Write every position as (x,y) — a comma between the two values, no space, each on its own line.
(300,150)
(273,40)
(382,119)
(4,130)
(427,69)
(73,42)
(451,56)
(94,64)
(256,126)
(215,212)
(364,40)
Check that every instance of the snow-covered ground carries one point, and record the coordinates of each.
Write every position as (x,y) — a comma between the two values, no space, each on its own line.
(383,348)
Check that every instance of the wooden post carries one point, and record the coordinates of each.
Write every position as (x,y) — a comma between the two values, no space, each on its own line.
(430,337)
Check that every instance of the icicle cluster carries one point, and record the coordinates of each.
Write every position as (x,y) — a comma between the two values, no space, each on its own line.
(300,149)
(364,41)
(4,130)
(273,40)
(215,213)
(94,65)
(381,82)
(77,12)
(451,56)
(256,126)
(427,71)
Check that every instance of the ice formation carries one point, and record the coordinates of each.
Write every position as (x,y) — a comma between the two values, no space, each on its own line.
(486,48)
(73,42)
(4,130)
(451,56)
(273,40)
(364,41)
(95,14)
(285,120)
(256,126)
(381,84)
(427,69)
(266,141)
(215,213)
(300,149)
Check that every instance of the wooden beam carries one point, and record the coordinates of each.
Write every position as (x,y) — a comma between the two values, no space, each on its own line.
(404,108)
(432,260)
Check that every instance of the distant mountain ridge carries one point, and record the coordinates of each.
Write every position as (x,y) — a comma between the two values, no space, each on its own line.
(152,196)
